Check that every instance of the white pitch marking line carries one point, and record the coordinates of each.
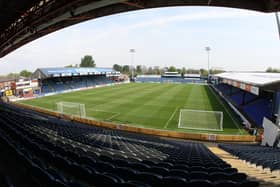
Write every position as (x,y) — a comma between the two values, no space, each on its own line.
(113,116)
(105,111)
(166,124)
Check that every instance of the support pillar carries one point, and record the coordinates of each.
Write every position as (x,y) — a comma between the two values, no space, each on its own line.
(276,107)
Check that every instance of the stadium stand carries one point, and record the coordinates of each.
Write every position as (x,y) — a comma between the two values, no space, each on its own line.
(39,145)
(238,96)
(253,94)
(62,84)
(63,153)
(160,79)
(259,109)
(254,107)
(63,79)
(266,157)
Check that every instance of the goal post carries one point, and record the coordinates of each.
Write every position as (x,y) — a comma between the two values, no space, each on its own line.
(201,120)
(74,109)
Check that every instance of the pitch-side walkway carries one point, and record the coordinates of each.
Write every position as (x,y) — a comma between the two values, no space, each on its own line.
(265,177)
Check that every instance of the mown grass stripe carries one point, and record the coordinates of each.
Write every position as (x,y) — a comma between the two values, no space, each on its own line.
(143,104)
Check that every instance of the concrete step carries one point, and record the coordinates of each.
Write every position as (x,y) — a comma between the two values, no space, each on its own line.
(265,177)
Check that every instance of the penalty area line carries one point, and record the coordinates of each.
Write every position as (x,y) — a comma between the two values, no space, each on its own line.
(167,123)
(116,114)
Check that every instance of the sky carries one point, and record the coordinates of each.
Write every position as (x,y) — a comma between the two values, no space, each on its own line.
(240,40)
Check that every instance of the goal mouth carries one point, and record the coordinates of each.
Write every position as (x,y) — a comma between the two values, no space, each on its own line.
(73,109)
(201,120)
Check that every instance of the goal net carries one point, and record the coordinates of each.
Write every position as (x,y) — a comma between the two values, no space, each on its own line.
(74,109)
(201,120)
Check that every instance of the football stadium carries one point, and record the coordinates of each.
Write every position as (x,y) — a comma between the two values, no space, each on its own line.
(156,106)
(84,126)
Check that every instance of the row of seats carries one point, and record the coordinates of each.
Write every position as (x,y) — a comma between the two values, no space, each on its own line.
(62,84)
(253,106)
(5,181)
(259,109)
(63,153)
(266,157)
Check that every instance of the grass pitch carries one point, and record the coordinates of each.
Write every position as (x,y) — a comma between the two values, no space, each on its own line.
(200,119)
(150,105)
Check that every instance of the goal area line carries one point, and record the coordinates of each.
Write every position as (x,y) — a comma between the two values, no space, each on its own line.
(203,129)
(204,120)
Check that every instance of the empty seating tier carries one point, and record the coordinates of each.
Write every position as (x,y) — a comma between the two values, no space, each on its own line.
(266,157)
(254,107)
(71,83)
(63,153)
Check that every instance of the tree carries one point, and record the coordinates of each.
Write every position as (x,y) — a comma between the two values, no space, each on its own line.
(156,70)
(216,71)
(25,73)
(117,67)
(269,69)
(179,70)
(150,71)
(194,71)
(13,75)
(138,69)
(272,70)
(144,69)
(87,61)
(163,70)
(125,69)
(172,69)
(203,72)
(183,72)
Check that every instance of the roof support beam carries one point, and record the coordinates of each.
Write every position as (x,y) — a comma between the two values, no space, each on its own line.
(278,23)
(46,16)
(137,4)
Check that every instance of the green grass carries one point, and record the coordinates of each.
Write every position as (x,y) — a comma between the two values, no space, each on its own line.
(150,105)
(197,119)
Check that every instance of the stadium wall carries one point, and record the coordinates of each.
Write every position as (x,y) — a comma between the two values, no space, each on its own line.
(164,133)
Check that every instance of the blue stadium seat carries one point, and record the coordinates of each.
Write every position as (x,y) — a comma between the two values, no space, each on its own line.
(174,181)
(59,153)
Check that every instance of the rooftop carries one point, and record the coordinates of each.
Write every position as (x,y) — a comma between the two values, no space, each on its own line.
(254,78)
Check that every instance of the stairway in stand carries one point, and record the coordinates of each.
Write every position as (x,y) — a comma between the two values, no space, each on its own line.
(265,177)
